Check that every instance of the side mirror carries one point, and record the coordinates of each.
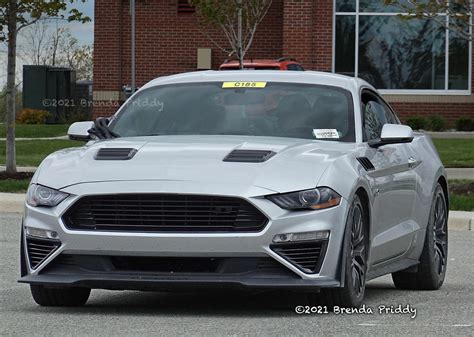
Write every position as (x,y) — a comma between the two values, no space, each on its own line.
(393,134)
(78,131)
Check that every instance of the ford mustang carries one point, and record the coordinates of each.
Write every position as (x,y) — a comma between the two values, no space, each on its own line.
(257,180)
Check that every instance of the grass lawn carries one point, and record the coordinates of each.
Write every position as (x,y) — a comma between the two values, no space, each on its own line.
(32,152)
(14,186)
(456,152)
(461,202)
(36,130)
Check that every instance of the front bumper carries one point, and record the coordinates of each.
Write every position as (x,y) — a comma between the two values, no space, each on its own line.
(202,245)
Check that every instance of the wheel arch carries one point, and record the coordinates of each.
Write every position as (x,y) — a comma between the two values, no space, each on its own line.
(444,185)
(363,194)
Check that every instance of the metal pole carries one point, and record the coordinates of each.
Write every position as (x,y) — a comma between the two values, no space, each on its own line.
(239,36)
(132,13)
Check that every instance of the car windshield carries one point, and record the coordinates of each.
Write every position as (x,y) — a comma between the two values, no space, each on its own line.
(239,108)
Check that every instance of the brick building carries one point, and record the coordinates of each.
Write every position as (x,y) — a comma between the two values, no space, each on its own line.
(421,68)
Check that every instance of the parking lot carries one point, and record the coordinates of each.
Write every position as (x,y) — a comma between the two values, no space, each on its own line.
(449,311)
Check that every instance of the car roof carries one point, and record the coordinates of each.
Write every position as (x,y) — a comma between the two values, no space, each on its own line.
(308,77)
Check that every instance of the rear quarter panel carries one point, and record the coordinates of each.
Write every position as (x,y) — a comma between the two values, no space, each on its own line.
(428,174)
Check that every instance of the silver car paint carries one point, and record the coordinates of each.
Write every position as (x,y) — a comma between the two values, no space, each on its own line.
(399,193)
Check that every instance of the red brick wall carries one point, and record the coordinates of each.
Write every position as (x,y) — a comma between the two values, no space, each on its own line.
(450,111)
(322,35)
(167,41)
(107,45)
(298,30)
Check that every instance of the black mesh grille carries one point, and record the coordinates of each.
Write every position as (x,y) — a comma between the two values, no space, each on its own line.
(307,256)
(249,156)
(39,250)
(164,213)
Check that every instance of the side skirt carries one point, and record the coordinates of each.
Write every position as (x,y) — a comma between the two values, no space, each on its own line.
(392,268)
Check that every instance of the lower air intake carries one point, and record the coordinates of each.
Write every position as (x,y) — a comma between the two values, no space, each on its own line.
(307,256)
(39,250)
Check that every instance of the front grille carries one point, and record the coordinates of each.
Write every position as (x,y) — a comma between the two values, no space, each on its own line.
(39,250)
(164,213)
(307,256)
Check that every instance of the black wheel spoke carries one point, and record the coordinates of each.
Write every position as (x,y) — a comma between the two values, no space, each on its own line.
(358,250)
(440,233)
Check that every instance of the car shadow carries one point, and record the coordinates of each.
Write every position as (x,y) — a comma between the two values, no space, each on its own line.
(206,303)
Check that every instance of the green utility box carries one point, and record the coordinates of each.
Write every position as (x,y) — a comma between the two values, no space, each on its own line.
(49,88)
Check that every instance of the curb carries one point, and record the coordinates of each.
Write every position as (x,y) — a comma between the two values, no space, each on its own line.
(14,203)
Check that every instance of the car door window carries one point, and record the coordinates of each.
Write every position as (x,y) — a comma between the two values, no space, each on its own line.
(374,116)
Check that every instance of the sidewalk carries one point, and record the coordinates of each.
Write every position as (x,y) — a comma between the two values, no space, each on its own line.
(13,203)
(451,134)
(40,138)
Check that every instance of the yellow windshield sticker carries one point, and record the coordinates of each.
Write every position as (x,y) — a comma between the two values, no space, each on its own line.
(228,85)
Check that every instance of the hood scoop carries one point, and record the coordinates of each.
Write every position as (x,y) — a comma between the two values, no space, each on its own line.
(249,156)
(115,154)
(366,163)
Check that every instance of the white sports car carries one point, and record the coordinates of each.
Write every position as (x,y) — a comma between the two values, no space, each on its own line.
(253,179)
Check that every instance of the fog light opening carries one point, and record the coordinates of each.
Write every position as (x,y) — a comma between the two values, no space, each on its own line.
(42,233)
(304,236)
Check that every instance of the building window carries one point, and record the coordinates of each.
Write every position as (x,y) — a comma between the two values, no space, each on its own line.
(374,43)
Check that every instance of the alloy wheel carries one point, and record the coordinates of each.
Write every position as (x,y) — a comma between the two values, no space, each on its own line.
(358,251)
(440,234)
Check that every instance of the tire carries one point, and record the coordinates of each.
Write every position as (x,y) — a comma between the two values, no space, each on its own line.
(59,297)
(431,271)
(355,248)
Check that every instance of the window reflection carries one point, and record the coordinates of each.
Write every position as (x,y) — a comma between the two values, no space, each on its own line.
(345,5)
(345,45)
(402,54)
(458,61)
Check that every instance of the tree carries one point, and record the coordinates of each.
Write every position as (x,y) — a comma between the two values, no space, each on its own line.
(459,13)
(72,54)
(238,19)
(14,16)
(56,47)
(37,38)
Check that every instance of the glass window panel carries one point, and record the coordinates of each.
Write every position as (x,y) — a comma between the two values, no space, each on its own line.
(458,60)
(401,54)
(345,5)
(378,6)
(345,44)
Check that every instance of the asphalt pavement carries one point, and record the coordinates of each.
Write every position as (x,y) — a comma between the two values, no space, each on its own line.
(449,311)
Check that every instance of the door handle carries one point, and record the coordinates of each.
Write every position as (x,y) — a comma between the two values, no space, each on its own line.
(412,162)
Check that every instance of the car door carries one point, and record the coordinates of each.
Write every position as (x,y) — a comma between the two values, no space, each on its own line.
(393,183)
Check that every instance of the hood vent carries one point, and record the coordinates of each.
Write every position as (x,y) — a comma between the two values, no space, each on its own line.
(249,156)
(366,163)
(115,154)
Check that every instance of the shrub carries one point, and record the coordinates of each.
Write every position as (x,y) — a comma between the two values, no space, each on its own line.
(32,116)
(436,123)
(465,124)
(417,123)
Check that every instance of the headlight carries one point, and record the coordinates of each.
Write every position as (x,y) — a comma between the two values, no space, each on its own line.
(316,198)
(39,195)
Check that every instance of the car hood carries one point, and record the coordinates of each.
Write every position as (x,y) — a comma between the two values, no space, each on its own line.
(298,163)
